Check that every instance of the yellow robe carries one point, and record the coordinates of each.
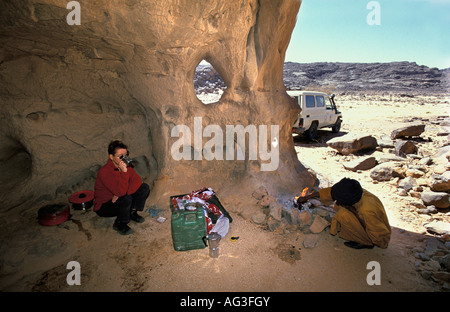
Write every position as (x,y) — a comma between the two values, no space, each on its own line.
(370,210)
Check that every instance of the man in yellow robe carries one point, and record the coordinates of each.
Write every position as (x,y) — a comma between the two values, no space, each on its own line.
(360,218)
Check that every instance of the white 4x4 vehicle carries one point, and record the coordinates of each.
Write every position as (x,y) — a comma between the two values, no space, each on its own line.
(318,111)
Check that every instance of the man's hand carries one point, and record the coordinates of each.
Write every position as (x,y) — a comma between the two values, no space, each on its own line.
(114,199)
(302,200)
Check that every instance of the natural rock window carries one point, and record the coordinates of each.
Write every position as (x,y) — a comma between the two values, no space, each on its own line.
(208,84)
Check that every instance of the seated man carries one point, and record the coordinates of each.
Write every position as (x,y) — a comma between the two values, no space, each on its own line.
(119,190)
(360,216)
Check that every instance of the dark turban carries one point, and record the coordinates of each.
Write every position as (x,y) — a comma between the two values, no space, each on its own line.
(347,192)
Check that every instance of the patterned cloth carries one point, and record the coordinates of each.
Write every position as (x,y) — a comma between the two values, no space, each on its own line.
(201,196)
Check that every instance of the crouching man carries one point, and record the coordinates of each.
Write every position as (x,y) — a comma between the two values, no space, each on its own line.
(360,216)
(119,190)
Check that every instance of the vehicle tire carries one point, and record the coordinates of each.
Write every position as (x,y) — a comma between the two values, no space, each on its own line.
(312,133)
(337,126)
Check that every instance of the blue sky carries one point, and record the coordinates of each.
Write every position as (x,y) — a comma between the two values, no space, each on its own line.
(338,31)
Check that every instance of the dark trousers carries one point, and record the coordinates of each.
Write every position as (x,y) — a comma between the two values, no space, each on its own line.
(124,205)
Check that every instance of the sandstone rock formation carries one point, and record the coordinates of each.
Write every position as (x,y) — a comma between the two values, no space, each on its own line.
(126,72)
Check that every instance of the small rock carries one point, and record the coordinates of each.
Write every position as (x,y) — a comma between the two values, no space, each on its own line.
(407,183)
(305,217)
(442,276)
(385,141)
(426,274)
(441,183)
(402,148)
(422,256)
(272,224)
(426,161)
(290,215)
(438,227)
(444,262)
(275,210)
(414,173)
(386,171)
(259,218)
(363,163)
(318,225)
(310,240)
(408,131)
(438,199)
(352,143)
(427,210)
(433,245)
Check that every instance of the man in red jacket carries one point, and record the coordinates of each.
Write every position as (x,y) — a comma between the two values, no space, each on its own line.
(119,190)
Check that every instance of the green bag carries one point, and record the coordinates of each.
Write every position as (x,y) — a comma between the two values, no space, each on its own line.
(188,228)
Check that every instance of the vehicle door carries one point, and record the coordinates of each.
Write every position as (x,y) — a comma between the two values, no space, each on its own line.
(321,112)
(331,111)
(309,108)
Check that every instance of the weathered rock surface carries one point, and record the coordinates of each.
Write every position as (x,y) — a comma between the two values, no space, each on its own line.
(402,148)
(363,163)
(352,143)
(126,72)
(438,199)
(408,131)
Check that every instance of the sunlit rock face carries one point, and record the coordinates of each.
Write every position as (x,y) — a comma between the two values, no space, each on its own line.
(126,72)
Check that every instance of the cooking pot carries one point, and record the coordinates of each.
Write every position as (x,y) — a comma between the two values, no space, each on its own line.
(82,200)
(53,214)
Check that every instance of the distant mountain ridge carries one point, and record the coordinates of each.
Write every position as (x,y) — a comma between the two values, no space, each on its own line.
(346,77)
(394,76)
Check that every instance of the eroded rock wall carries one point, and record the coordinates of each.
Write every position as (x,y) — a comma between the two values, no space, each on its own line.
(126,72)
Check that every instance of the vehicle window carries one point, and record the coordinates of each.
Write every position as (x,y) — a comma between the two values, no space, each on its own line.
(320,101)
(296,98)
(328,103)
(310,101)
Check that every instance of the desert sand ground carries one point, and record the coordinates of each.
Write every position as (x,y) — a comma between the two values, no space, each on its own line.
(35,257)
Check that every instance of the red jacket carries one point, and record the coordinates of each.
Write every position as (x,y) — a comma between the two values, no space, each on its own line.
(110,181)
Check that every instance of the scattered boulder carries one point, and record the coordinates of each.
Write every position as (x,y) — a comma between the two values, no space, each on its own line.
(408,131)
(438,227)
(438,199)
(385,141)
(402,148)
(441,183)
(305,217)
(292,216)
(259,217)
(387,171)
(363,163)
(275,210)
(352,143)
(407,183)
(388,157)
(445,263)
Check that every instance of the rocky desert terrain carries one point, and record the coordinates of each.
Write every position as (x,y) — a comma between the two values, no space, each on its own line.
(279,248)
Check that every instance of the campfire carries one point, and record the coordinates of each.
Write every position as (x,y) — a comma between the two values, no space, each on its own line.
(305,192)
